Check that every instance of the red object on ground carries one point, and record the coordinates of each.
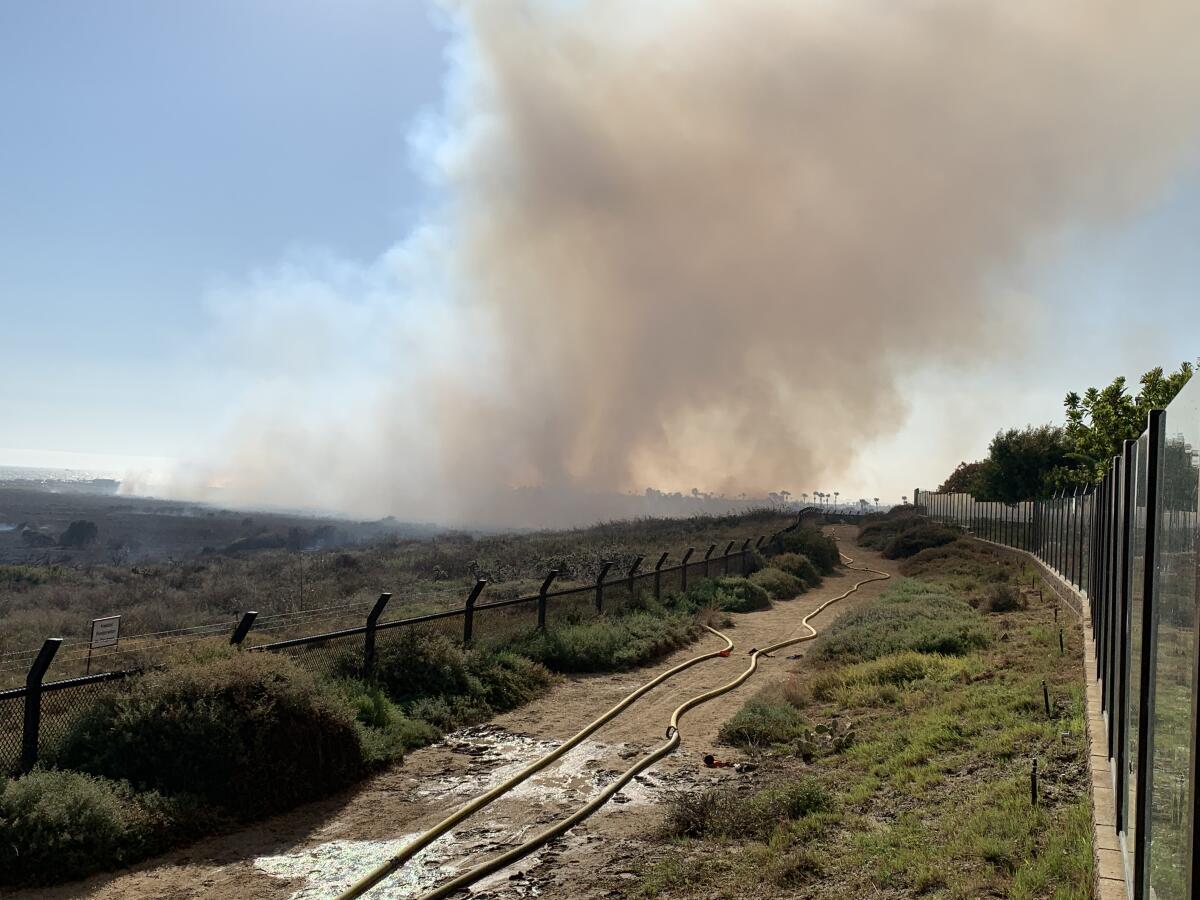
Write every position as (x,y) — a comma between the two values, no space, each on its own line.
(722,653)
(712,762)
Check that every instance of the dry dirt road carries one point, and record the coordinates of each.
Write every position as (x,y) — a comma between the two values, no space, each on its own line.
(321,848)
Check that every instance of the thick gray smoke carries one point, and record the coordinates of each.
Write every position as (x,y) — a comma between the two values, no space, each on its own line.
(695,244)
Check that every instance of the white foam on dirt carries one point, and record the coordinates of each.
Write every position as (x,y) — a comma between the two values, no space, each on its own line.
(495,755)
(329,868)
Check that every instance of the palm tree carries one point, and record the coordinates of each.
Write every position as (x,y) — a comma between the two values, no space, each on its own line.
(876,504)
(835,498)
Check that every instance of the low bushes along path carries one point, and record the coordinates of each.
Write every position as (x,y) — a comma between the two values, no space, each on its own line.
(315,851)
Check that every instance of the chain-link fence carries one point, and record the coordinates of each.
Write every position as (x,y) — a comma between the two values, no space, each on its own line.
(1128,547)
(347,651)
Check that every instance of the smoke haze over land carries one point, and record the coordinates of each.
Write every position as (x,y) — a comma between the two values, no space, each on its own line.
(694,245)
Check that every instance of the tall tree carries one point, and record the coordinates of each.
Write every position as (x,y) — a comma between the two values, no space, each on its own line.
(1100,420)
(965,479)
(1020,462)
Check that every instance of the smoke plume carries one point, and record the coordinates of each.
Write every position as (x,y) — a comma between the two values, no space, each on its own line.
(695,244)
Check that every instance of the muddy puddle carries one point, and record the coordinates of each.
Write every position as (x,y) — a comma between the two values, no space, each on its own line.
(492,755)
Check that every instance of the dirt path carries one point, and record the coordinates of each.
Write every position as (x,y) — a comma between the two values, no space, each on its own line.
(312,852)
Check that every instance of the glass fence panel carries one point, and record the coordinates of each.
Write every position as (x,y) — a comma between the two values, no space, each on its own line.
(1137,568)
(1175,606)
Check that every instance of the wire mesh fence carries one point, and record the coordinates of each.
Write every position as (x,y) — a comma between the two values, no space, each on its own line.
(481,623)
(65,702)
(569,607)
(338,654)
(497,626)
(12,711)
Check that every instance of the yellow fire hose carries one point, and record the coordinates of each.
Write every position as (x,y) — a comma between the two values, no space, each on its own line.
(424,840)
(672,742)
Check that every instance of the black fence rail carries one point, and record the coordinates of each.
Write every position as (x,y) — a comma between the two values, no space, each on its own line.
(39,714)
(1128,545)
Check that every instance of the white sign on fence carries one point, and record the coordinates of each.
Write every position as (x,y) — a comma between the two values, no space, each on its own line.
(105,631)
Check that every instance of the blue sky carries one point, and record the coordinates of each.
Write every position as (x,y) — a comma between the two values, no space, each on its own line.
(153,152)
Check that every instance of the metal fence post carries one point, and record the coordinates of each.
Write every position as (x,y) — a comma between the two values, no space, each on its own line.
(1122,648)
(1062,533)
(728,550)
(1110,683)
(707,555)
(758,544)
(604,567)
(243,628)
(542,597)
(469,610)
(33,702)
(637,564)
(1035,529)
(745,557)
(683,570)
(658,576)
(1079,538)
(1147,668)
(369,637)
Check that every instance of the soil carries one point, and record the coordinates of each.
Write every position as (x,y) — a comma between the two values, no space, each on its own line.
(319,849)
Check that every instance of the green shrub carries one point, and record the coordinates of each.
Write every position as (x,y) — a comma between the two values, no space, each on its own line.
(762,722)
(250,733)
(754,562)
(957,558)
(699,814)
(794,868)
(445,713)
(786,801)
(1001,598)
(718,812)
(605,645)
(911,616)
(820,548)
(509,679)
(895,670)
(384,731)
(778,584)
(57,825)
(419,662)
(731,594)
(438,683)
(913,540)
(799,566)
(878,531)
(15,578)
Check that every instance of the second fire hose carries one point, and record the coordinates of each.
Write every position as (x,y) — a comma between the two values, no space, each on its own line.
(670,744)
